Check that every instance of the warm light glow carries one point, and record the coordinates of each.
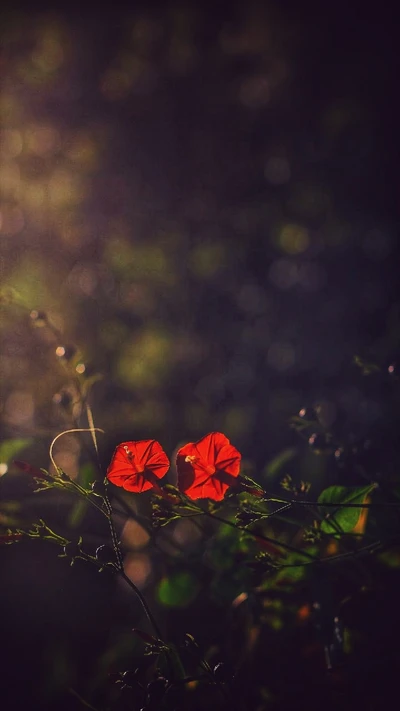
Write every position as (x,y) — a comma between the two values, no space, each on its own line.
(133,536)
(67,455)
(138,568)
(41,139)
(19,408)
(48,54)
(10,143)
(63,189)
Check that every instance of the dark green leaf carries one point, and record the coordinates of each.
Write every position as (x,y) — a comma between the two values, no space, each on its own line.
(343,519)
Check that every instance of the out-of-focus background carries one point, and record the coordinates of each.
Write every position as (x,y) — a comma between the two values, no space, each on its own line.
(202,201)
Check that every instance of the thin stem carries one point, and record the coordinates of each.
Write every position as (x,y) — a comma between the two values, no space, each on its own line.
(116,546)
(296,502)
(144,604)
(84,494)
(114,539)
(83,702)
(354,553)
(260,536)
(61,434)
(332,558)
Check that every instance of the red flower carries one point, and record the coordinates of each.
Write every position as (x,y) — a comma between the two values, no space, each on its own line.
(207,468)
(137,466)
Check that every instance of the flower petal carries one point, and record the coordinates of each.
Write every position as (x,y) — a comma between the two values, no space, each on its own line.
(135,464)
(205,467)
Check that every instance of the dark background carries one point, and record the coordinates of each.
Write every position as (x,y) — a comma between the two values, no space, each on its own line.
(203,200)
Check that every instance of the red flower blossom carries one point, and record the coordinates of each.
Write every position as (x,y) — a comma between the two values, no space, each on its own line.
(207,468)
(137,466)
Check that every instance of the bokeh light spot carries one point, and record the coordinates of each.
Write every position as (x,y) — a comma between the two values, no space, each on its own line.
(41,139)
(19,408)
(206,259)
(294,239)
(48,54)
(133,536)
(145,361)
(138,568)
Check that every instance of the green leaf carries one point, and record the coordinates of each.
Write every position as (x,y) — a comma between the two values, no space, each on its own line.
(345,518)
(9,448)
(177,590)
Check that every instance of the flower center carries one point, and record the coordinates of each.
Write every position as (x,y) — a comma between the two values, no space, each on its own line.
(208,468)
(130,456)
